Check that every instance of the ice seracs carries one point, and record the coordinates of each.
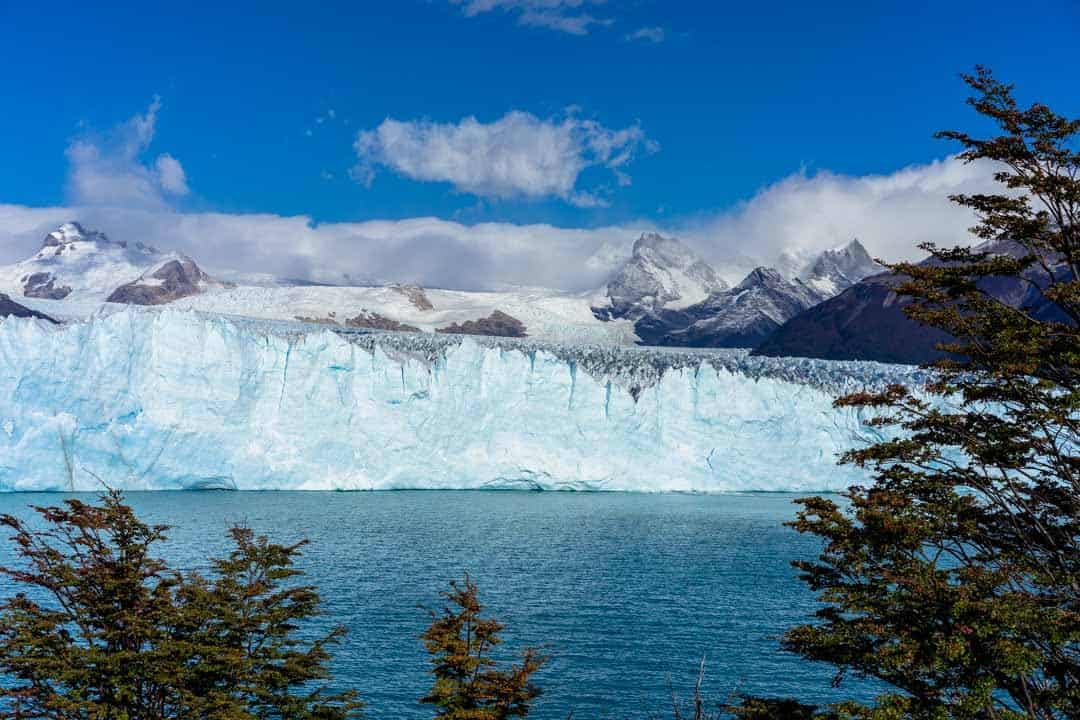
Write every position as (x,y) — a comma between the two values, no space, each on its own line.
(155,398)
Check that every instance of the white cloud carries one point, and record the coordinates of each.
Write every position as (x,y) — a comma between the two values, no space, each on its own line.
(110,170)
(648,34)
(568,16)
(518,155)
(171,175)
(429,251)
(803,213)
(890,213)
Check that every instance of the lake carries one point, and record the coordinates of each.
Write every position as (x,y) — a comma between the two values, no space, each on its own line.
(626,590)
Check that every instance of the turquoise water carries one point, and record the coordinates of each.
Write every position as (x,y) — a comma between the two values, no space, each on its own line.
(626,590)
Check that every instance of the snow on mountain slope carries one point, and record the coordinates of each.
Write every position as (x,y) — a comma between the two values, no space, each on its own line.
(164,399)
(662,294)
(835,270)
(547,314)
(740,317)
(86,266)
(662,273)
(79,272)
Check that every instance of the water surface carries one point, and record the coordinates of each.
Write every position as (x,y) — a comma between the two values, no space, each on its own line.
(627,590)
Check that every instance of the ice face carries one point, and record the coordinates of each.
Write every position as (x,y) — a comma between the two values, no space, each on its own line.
(170,399)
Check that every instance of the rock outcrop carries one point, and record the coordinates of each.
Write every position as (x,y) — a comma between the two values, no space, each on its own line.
(497,324)
(171,281)
(10,308)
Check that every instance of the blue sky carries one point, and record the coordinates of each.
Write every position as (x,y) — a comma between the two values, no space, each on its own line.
(665,111)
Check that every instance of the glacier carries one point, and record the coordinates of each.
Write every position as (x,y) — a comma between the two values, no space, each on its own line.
(148,399)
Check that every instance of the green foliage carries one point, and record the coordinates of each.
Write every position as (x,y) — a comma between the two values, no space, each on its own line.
(954,577)
(106,630)
(468,684)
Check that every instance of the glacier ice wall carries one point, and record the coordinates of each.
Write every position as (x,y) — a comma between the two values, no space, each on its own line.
(169,400)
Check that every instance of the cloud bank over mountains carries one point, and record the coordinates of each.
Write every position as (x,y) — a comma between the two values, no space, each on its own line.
(891,214)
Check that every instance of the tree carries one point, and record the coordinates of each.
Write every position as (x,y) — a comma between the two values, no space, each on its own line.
(954,577)
(103,629)
(468,684)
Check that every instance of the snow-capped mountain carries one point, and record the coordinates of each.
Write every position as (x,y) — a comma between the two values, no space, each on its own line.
(835,270)
(742,316)
(663,294)
(676,298)
(78,264)
(662,273)
(867,320)
(78,271)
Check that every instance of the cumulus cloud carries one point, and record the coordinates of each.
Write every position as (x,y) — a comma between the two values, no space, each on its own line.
(170,175)
(111,169)
(648,34)
(568,16)
(517,156)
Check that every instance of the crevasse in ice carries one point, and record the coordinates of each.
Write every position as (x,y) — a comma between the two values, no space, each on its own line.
(148,399)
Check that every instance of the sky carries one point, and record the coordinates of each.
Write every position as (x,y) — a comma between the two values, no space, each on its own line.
(478,143)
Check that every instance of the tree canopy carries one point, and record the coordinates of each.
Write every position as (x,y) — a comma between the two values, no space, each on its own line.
(954,577)
(102,628)
(469,685)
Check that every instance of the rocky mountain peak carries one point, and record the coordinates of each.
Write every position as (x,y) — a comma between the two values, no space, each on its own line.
(661,272)
(667,251)
(761,277)
(73,236)
(72,232)
(837,269)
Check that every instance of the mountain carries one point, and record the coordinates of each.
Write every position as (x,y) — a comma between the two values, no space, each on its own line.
(10,308)
(675,298)
(75,263)
(662,273)
(867,321)
(835,270)
(864,322)
(664,294)
(742,316)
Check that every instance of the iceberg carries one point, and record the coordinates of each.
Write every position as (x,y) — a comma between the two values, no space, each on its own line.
(145,399)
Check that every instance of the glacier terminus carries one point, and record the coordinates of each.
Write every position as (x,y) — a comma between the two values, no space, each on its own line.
(146,399)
